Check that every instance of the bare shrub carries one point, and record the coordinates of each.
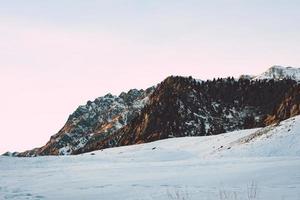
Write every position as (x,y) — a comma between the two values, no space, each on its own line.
(227,195)
(251,193)
(178,195)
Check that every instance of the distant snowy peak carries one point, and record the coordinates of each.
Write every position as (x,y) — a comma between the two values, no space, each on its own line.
(279,72)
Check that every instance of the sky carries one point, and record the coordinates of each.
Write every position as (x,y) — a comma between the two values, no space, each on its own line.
(57,54)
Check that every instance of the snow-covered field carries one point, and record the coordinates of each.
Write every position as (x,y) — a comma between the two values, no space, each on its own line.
(251,164)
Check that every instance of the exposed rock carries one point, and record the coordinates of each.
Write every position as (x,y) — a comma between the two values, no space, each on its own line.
(289,107)
(182,107)
(99,118)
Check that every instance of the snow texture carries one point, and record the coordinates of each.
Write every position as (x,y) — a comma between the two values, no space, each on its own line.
(278,73)
(194,167)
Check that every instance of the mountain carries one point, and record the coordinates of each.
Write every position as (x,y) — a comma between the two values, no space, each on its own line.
(183,107)
(276,72)
(279,72)
(177,107)
(102,117)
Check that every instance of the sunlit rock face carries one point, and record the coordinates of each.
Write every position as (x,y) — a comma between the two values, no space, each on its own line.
(103,116)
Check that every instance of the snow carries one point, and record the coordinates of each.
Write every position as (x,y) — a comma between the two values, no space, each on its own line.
(65,150)
(193,167)
(280,140)
(279,72)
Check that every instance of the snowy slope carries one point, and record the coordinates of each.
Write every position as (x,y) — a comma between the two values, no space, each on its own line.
(193,167)
(275,140)
(279,72)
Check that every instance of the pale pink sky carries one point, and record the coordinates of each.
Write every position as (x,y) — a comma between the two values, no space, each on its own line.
(56,55)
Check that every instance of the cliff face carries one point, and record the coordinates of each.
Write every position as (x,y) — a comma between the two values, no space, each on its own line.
(103,116)
(289,106)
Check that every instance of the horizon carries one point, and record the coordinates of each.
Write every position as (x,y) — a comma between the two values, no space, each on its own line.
(57,55)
